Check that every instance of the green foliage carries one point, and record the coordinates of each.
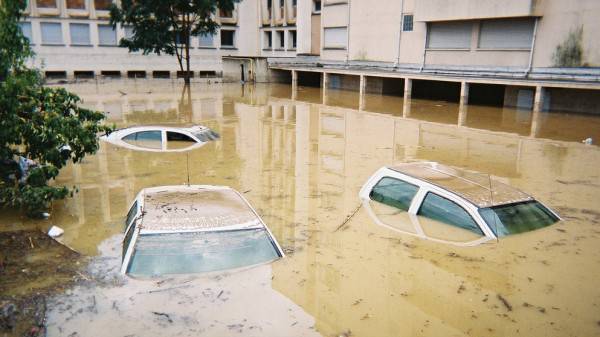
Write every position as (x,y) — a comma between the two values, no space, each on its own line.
(166,26)
(41,124)
(570,52)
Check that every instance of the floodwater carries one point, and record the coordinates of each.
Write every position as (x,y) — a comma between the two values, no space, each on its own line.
(301,163)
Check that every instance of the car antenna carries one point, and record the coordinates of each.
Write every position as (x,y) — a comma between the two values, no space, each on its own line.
(492,204)
(187,158)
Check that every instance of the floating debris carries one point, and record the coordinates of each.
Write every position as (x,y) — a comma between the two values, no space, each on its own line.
(505,302)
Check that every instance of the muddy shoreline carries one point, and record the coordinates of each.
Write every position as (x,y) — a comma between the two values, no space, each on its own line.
(33,267)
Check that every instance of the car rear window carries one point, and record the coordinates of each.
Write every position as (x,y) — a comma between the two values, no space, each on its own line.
(517,218)
(394,192)
(194,252)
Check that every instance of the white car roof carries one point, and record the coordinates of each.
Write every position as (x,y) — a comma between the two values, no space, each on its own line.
(479,189)
(195,207)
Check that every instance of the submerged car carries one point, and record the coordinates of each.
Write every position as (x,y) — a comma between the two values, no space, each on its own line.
(192,229)
(450,205)
(161,138)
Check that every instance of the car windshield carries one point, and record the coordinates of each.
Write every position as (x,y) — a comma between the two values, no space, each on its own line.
(194,252)
(206,135)
(517,218)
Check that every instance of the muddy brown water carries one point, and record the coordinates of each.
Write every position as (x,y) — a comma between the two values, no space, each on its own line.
(301,163)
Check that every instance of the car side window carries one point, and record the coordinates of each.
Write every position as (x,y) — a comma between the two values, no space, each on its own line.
(148,139)
(176,140)
(126,241)
(394,192)
(131,214)
(443,210)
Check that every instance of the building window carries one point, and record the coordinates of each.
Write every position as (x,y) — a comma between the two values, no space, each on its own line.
(449,35)
(26,29)
(292,38)
(281,38)
(80,34)
(270,8)
(179,39)
(506,34)
(106,35)
(206,40)
(102,5)
(334,37)
(227,38)
(51,33)
(269,39)
(128,32)
(225,14)
(75,4)
(407,23)
(281,8)
(317,6)
(46,3)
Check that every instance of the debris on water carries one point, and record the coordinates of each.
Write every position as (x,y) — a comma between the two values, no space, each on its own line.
(165,315)
(358,301)
(587,141)
(348,218)
(55,231)
(505,302)
(347,333)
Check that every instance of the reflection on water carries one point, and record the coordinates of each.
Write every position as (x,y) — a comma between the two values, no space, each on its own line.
(302,163)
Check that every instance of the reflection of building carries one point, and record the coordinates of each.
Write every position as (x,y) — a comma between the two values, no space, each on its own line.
(301,163)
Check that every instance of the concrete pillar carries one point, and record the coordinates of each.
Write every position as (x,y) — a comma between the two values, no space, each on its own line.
(462,106)
(407,88)
(464,93)
(406,106)
(538,100)
(536,116)
(294,84)
(361,91)
(325,85)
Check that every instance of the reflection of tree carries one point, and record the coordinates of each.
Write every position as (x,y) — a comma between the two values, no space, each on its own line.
(185,104)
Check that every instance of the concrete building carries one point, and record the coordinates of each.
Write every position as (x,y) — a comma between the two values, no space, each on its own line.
(521,53)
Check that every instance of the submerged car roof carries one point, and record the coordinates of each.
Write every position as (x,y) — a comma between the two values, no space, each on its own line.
(472,186)
(183,208)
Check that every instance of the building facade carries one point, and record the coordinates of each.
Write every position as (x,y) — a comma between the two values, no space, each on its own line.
(514,43)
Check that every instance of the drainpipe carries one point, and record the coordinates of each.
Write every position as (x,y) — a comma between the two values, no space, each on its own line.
(400,32)
(532,47)
(252,72)
(424,47)
(348,35)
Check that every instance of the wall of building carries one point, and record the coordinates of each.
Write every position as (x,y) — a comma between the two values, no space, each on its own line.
(334,14)
(374,30)
(560,18)
(304,24)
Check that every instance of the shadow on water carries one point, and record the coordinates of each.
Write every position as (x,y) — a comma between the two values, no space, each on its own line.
(301,163)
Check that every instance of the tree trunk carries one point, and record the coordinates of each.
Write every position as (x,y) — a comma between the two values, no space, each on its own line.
(187,50)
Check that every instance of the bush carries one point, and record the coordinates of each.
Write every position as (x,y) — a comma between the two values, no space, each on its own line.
(41,128)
